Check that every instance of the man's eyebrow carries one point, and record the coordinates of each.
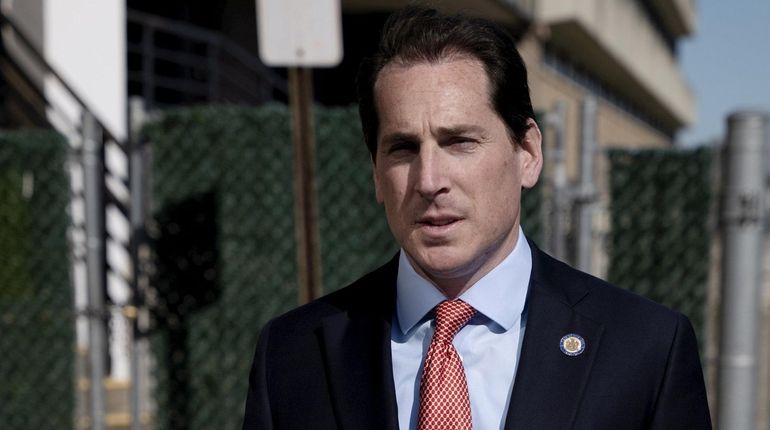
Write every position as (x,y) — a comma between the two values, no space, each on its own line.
(457,130)
(399,136)
(461,129)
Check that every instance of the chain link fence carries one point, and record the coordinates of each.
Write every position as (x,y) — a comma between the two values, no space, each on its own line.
(354,233)
(222,233)
(662,225)
(37,318)
(222,237)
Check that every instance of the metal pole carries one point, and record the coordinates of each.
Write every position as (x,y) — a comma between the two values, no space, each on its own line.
(742,226)
(584,201)
(305,201)
(556,120)
(95,261)
(136,178)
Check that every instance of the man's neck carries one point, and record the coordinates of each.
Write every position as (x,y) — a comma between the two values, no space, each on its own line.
(453,285)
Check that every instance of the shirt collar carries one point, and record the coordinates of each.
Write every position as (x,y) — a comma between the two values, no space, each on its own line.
(499,295)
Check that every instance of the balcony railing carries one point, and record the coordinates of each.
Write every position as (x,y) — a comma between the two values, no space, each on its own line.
(172,62)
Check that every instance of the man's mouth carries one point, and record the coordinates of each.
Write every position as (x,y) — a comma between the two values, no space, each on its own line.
(438,221)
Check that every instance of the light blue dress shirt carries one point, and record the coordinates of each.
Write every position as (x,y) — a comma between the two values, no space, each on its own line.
(489,345)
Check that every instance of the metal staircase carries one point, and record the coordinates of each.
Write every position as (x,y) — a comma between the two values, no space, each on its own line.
(172,62)
(169,63)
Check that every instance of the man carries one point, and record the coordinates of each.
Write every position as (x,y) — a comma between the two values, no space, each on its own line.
(470,325)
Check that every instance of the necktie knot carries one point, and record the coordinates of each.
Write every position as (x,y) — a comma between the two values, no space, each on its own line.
(451,316)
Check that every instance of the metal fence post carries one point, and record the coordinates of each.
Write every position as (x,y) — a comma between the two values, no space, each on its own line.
(585,192)
(557,232)
(742,224)
(93,165)
(137,119)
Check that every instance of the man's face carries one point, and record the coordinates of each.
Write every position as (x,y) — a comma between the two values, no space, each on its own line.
(447,170)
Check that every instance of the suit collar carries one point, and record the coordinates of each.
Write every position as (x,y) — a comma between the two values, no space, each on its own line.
(550,384)
(555,278)
(499,295)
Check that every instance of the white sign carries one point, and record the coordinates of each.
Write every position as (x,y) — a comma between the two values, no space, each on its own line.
(299,33)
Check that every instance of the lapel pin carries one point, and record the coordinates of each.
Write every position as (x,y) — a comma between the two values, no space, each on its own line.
(572,344)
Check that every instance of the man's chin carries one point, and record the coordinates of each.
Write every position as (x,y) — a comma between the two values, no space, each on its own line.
(442,263)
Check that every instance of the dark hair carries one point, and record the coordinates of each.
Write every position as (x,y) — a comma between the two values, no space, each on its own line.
(416,34)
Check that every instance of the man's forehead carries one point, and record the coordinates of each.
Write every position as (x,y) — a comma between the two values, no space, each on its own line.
(463,76)
(402,74)
(451,97)
(401,63)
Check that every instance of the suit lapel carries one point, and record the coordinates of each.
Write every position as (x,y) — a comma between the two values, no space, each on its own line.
(356,344)
(549,384)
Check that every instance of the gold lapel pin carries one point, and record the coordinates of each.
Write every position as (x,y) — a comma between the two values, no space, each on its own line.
(572,344)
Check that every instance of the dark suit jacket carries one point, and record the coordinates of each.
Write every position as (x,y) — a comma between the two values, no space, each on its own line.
(327,365)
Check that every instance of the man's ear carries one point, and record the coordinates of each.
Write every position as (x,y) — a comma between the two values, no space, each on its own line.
(377,192)
(531,155)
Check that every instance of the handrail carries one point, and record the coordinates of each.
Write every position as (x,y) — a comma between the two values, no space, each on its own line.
(209,37)
(30,48)
(33,114)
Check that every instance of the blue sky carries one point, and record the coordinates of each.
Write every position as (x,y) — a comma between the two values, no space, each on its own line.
(727,63)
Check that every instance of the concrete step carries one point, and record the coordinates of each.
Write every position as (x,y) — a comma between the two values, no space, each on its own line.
(117,403)
(114,422)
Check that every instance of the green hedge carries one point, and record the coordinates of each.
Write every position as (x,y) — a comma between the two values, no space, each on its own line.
(36,296)
(221,184)
(661,226)
(224,237)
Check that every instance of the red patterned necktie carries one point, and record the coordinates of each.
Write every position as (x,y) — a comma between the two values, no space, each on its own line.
(444,402)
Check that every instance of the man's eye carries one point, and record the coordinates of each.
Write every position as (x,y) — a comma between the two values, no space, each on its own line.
(463,142)
(403,147)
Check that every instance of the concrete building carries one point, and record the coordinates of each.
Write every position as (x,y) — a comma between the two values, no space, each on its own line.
(624,52)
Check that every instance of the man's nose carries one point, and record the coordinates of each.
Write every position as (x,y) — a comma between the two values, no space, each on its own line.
(431,178)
